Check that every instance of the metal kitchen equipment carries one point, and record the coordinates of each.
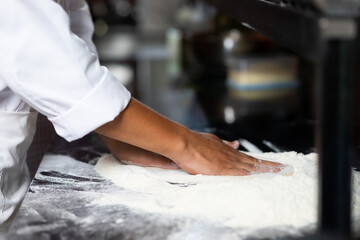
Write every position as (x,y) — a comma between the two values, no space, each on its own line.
(326,34)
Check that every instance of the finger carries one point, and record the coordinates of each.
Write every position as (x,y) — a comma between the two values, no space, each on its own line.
(234,144)
(235,172)
(252,160)
(269,163)
(267,169)
(258,168)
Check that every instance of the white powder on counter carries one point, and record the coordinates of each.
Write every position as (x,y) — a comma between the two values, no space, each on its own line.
(254,202)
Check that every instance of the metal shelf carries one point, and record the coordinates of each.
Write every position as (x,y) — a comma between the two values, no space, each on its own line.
(325,33)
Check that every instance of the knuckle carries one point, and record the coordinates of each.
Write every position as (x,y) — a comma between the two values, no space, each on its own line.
(252,167)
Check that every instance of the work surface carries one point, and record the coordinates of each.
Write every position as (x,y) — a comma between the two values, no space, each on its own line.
(69,200)
(61,204)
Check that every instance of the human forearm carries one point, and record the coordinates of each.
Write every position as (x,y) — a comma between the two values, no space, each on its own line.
(142,127)
(194,152)
(130,154)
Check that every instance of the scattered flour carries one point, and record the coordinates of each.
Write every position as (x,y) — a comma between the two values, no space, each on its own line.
(252,202)
(119,220)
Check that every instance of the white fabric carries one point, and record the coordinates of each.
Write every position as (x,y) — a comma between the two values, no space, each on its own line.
(48,62)
(17,131)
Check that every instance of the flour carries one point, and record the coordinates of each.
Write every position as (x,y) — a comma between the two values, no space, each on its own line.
(253,202)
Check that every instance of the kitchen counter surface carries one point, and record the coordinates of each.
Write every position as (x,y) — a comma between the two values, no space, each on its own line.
(60,205)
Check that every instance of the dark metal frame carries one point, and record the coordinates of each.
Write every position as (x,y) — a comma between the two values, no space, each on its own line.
(324,33)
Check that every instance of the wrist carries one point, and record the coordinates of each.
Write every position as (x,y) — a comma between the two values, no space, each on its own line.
(180,146)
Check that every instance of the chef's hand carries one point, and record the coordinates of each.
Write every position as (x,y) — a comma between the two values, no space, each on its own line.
(207,154)
(194,152)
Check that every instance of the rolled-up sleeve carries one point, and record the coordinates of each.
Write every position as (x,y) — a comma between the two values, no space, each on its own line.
(54,70)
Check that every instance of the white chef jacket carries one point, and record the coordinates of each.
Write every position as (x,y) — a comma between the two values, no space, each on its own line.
(49,63)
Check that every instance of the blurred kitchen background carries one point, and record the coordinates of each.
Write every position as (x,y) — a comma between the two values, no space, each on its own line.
(202,69)
(205,70)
